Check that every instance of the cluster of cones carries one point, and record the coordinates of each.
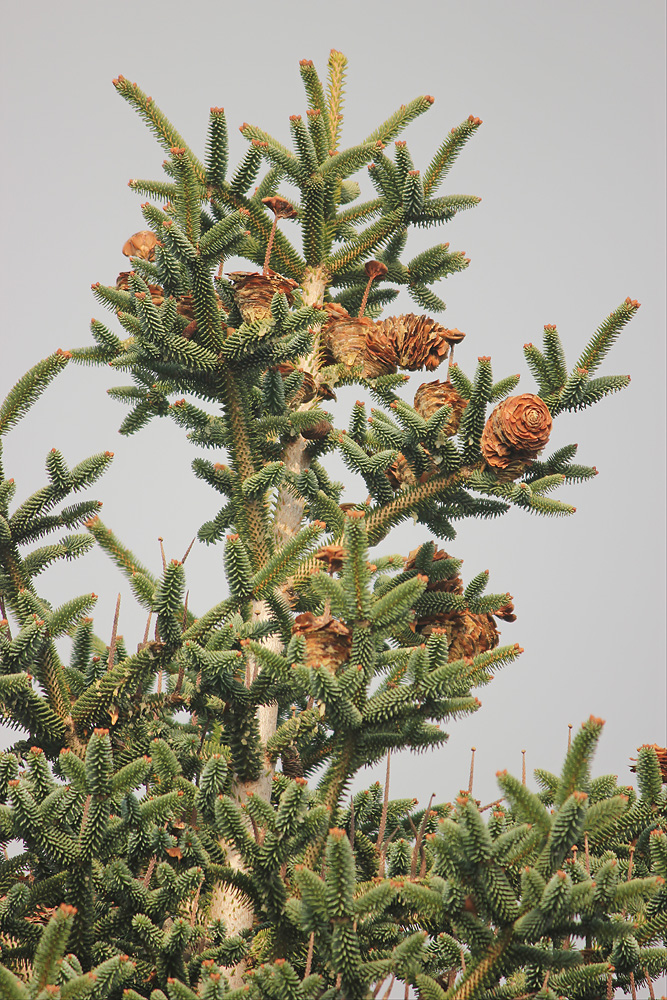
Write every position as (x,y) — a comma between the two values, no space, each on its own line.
(143,244)
(379,348)
(517,429)
(468,634)
(329,641)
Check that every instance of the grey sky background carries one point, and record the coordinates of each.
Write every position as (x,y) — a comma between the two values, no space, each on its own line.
(570,166)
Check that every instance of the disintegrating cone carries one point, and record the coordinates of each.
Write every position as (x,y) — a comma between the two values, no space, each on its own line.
(516,431)
(141,244)
(381,357)
(253,292)
(468,634)
(430,396)
(328,641)
(418,341)
(344,339)
(123,285)
(186,306)
(308,388)
(332,556)
(449,585)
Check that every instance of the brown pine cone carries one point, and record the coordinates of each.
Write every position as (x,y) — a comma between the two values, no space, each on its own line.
(308,388)
(516,431)
(430,396)
(380,355)
(450,585)
(418,341)
(467,634)
(123,285)
(186,306)
(328,641)
(344,339)
(253,292)
(141,244)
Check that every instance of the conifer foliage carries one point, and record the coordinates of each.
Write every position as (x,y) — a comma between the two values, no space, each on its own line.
(182,811)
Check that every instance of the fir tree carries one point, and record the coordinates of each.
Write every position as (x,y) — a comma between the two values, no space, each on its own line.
(160,839)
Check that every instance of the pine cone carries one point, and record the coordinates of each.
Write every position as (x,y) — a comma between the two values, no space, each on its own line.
(449,585)
(400,472)
(418,341)
(328,641)
(516,431)
(141,244)
(345,337)
(430,396)
(380,355)
(253,292)
(123,285)
(468,634)
(308,388)
(186,306)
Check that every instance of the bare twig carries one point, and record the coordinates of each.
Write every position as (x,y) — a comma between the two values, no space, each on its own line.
(309,959)
(472,769)
(114,636)
(383,817)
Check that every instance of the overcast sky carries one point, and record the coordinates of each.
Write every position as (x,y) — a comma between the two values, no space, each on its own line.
(570,166)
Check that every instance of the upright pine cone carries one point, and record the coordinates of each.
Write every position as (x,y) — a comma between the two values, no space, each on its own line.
(345,337)
(418,341)
(328,641)
(430,396)
(253,292)
(516,431)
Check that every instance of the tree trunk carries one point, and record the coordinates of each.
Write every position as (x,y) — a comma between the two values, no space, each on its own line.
(226,904)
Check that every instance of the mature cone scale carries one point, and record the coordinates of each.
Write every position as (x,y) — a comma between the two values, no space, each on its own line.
(418,341)
(308,389)
(516,431)
(328,641)
(400,472)
(448,585)
(430,396)
(253,292)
